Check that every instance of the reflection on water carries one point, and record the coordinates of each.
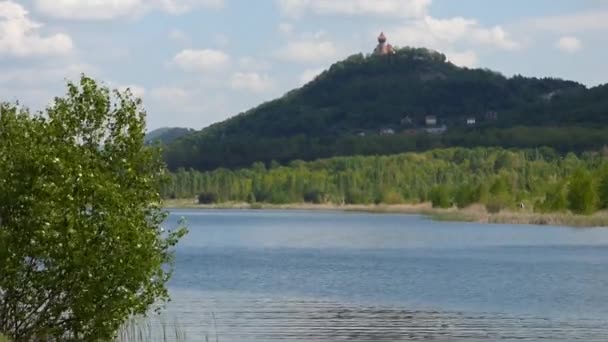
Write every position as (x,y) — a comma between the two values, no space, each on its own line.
(233,318)
(309,276)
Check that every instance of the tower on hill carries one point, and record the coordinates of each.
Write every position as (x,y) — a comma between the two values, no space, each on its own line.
(383,48)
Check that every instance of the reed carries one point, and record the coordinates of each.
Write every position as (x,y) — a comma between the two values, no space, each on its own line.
(145,330)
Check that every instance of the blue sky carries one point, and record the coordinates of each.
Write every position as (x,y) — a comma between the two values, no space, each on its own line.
(196,62)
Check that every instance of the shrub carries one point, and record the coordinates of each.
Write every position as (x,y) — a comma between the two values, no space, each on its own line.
(465,196)
(207,198)
(582,195)
(81,246)
(391,197)
(314,196)
(556,199)
(495,205)
(440,197)
(603,189)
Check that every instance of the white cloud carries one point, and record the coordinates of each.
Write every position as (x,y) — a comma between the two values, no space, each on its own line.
(389,8)
(207,60)
(464,59)
(308,50)
(285,28)
(36,85)
(169,94)
(111,9)
(569,44)
(182,6)
(36,76)
(252,82)
(89,9)
(575,22)
(441,33)
(250,63)
(21,37)
(310,74)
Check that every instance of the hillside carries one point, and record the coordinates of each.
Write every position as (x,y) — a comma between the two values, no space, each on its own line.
(166,135)
(385,104)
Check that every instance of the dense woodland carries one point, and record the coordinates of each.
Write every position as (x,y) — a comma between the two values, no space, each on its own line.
(537,178)
(343,111)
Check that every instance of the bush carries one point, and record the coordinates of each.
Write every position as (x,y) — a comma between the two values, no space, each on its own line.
(582,195)
(603,189)
(314,196)
(391,197)
(465,196)
(81,246)
(556,199)
(495,205)
(440,197)
(207,198)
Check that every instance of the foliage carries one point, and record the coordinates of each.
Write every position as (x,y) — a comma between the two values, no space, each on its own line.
(556,199)
(440,197)
(366,94)
(443,176)
(582,195)
(207,198)
(465,195)
(81,246)
(603,189)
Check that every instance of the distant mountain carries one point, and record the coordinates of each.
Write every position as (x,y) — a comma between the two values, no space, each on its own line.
(412,100)
(166,135)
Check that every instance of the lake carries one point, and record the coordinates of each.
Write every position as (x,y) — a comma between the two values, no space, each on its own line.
(334,276)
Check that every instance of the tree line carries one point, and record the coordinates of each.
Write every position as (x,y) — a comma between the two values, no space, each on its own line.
(499,178)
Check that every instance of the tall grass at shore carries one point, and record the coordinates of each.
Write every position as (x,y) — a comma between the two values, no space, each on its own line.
(144,330)
(473,213)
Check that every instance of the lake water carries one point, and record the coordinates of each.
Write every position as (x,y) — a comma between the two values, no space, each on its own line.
(333,276)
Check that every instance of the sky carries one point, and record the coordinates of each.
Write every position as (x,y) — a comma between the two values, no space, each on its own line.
(196,62)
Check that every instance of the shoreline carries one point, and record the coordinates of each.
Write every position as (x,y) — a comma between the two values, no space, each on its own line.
(475,213)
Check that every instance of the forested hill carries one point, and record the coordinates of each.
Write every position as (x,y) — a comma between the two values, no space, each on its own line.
(380,105)
(166,135)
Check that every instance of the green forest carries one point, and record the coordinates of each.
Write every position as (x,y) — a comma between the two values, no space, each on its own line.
(541,179)
(346,109)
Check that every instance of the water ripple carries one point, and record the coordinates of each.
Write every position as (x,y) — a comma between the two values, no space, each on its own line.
(279,319)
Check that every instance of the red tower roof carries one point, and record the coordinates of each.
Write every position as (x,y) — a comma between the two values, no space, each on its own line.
(382,38)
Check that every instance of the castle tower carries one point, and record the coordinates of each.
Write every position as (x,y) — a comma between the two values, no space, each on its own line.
(383,48)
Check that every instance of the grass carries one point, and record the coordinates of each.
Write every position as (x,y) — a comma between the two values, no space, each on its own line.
(144,330)
(474,213)
(147,330)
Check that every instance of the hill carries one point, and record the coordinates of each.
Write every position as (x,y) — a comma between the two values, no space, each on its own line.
(412,100)
(166,135)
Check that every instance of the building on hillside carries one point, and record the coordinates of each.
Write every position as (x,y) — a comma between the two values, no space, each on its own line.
(491,115)
(471,121)
(407,121)
(387,131)
(430,120)
(436,130)
(383,48)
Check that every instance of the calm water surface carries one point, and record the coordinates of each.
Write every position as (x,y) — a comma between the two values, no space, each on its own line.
(332,276)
